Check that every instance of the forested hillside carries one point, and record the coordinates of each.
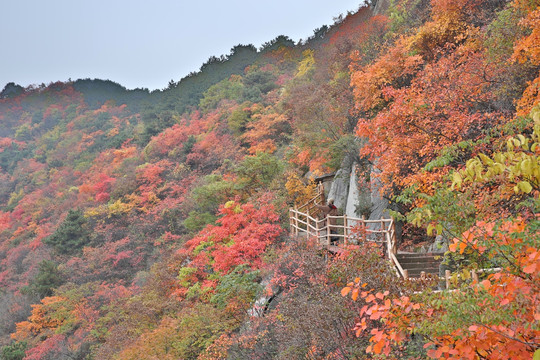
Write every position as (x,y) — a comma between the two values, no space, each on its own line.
(145,225)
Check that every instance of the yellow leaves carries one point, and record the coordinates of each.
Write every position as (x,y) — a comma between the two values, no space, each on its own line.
(434,227)
(417,220)
(523,186)
(301,193)
(519,142)
(457,180)
(520,164)
(237,208)
(306,64)
(527,167)
(118,208)
(436,34)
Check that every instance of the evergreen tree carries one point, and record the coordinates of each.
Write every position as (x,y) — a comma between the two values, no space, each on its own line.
(71,235)
(47,279)
(15,351)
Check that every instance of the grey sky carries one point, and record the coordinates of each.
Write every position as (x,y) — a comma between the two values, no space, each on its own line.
(142,43)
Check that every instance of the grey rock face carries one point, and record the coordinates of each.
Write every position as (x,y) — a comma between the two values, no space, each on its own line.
(354,194)
(379,204)
(380,6)
(340,188)
(440,245)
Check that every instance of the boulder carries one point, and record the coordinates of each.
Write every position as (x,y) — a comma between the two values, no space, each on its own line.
(340,188)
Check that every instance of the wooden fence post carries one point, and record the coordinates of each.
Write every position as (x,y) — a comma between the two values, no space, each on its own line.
(394,239)
(321,192)
(327,231)
(406,274)
(295,220)
(474,275)
(290,222)
(447,278)
(307,222)
(383,226)
(345,230)
(363,227)
(317,231)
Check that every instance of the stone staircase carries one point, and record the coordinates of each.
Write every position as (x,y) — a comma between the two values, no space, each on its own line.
(415,263)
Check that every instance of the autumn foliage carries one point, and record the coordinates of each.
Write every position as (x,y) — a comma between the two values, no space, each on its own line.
(138,225)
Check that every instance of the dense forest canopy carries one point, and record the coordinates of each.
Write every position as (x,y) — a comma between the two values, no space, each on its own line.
(145,225)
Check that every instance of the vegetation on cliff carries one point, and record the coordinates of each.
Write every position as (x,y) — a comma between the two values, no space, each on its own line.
(144,225)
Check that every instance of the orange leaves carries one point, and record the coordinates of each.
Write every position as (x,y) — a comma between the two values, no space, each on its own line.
(40,319)
(150,174)
(382,314)
(345,291)
(5,221)
(265,130)
(369,84)
(123,153)
(168,140)
(531,262)
(437,109)
(458,244)
(527,48)
(446,28)
(355,288)
(486,284)
(531,97)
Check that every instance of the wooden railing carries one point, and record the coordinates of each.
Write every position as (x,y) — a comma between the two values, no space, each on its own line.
(346,230)
(311,204)
(350,230)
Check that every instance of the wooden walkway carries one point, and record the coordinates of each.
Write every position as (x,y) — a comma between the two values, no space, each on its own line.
(345,230)
(307,220)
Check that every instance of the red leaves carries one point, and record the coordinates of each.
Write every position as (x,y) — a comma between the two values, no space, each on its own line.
(387,317)
(417,111)
(149,175)
(243,233)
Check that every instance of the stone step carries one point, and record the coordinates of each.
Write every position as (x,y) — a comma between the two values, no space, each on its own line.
(422,268)
(415,259)
(414,266)
(419,261)
(416,263)
(412,272)
(418,255)
(416,273)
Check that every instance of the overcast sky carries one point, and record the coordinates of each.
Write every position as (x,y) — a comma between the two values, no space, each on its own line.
(142,43)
